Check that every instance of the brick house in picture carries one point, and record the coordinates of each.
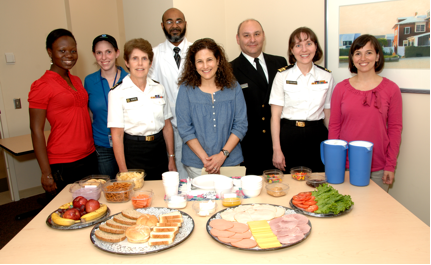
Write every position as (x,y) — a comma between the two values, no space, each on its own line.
(411,31)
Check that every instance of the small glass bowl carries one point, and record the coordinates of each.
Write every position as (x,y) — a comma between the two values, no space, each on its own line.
(273,176)
(178,201)
(277,189)
(99,178)
(231,199)
(90,190)
(205,211)
(315,179)
(300,173)
(136,175)
(142,198)
(118,190)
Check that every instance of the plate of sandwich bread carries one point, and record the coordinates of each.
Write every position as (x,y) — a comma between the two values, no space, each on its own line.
(142,231)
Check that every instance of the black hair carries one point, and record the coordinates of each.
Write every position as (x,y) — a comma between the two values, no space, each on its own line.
(359,43)
(55,34)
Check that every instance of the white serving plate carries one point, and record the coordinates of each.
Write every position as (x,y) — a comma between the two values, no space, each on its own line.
(206,182)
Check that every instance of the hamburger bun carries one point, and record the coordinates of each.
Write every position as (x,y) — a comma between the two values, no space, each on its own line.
(147,220)
(138,234)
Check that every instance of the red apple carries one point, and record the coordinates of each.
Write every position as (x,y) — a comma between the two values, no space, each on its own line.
(92,205)
(72,214)
(79,201)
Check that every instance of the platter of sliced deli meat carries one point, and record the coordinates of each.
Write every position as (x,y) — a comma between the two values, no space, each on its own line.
(258,227)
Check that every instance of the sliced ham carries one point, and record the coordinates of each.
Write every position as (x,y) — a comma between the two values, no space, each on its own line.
(305,228)
(296,231)
(275,221)
(289,239)
(302,219)
(289,217)
(287,224)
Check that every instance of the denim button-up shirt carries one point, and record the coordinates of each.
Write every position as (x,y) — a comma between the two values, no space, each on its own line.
(211,122)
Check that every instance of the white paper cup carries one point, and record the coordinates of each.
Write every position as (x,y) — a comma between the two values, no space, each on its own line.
(171,175)
(171,190)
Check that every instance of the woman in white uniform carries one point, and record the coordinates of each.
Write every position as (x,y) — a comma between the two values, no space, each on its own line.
(300,105)
(139,117)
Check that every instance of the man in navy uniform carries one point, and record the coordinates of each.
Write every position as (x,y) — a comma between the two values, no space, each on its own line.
(255,72)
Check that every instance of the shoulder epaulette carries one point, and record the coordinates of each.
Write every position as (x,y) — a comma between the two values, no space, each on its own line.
(155,81)
(285,68)
(323,68)
(117,84)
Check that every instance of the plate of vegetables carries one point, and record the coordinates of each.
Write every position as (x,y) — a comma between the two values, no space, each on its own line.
(325,201)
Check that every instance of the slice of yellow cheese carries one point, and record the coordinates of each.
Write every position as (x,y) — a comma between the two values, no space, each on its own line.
(270,245)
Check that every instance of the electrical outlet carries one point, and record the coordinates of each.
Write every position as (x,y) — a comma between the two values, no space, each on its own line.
(17,102)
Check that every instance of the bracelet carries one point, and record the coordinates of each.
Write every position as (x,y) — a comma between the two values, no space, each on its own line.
(49,176)
(172,155)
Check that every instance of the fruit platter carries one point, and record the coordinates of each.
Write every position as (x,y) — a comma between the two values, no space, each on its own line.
(325,201)
(77,214)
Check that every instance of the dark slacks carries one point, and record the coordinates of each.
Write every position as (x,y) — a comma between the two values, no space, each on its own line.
(66,173)
(301,145)
(150,156)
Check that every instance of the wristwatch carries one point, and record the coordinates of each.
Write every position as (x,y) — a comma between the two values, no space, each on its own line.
(225,152)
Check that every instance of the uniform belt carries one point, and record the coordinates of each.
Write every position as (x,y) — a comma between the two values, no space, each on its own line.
(147,138)
(301,123)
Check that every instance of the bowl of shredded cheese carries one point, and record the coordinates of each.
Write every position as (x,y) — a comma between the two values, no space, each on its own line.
(135,175)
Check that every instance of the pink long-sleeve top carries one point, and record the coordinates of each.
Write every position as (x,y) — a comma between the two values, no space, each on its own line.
(374,116)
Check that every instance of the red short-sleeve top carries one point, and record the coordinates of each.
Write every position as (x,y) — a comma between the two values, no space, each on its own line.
(71,136)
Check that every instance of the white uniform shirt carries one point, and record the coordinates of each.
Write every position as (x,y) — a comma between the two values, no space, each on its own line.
(164,70)
(139,112)
(301,97)
(261,62)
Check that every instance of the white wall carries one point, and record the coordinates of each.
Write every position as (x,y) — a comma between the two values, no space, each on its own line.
(142,19)
(412,175)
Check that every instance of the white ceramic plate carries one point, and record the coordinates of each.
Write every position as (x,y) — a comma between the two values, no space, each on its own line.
(206,182)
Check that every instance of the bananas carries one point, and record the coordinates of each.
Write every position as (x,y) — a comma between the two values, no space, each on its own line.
(67,205)
(58,220)
(55,217)
(94,215)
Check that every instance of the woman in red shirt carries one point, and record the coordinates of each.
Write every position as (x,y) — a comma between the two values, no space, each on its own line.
(368,107)
(60,97)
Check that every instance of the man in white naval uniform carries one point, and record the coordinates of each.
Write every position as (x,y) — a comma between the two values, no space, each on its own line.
(168,63)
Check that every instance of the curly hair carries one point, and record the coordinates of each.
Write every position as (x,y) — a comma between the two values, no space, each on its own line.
(224,75)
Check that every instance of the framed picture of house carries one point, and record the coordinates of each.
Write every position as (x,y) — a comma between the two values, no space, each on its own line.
(402,28)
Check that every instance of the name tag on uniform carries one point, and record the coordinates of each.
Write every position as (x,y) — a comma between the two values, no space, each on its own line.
(244,85)
(319,82)
(291,82)
(131,99)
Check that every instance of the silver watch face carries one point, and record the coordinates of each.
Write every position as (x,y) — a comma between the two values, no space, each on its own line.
(226,153)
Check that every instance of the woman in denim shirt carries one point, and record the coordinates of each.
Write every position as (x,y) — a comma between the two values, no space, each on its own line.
(210,109)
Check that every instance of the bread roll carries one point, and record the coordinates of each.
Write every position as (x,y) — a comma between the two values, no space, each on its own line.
(147,220)
(138,234)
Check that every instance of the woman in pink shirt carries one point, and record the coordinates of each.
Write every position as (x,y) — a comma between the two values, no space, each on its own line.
(368,107)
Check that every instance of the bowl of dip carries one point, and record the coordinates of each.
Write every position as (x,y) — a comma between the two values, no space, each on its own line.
(178,201)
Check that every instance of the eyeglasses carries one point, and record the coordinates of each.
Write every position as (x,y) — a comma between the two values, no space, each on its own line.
(179,21)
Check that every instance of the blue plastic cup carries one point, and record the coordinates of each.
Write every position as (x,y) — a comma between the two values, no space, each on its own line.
(333,155)
(360,156)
